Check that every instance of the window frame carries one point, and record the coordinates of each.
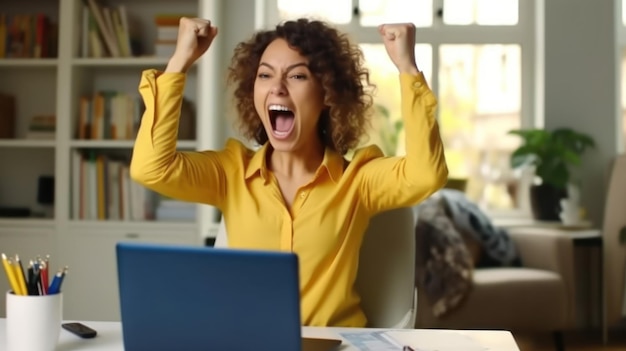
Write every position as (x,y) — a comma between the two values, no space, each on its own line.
(527,33)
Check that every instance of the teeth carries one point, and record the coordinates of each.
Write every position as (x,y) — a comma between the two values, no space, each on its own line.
(278,108)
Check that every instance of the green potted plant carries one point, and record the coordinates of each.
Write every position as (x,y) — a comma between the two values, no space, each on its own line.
(552,153)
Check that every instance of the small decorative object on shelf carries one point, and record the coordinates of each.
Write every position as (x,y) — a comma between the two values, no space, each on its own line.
(551,153)
(45,196)
(7,116)
(570,207)
(42,127)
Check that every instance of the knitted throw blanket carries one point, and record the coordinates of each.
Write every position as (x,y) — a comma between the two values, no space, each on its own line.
(443,264)
(446,223)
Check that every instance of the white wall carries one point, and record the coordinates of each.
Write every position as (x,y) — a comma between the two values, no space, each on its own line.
(581,84)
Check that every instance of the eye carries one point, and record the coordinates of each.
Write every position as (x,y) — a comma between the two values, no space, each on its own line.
(262,75)
(298,76)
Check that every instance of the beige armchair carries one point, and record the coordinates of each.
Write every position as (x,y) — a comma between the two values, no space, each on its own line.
(540,296)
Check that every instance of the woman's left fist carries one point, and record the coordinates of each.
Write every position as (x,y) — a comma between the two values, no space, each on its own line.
(399,41)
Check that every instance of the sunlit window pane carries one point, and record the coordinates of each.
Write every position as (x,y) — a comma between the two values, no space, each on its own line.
(334,11)
(375,12)
(480,101)
(481,12)
(624,12)
(387,129)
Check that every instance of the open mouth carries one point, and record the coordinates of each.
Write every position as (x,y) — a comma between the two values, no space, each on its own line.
(282,119)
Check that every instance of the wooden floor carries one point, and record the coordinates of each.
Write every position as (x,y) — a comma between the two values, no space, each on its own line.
(575,341)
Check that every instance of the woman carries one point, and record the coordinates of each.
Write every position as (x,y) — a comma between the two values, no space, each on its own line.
(300,94)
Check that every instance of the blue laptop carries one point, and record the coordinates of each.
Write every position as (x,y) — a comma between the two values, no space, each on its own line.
(203,298)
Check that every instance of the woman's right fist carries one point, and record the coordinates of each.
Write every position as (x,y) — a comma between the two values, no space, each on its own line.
(194,38)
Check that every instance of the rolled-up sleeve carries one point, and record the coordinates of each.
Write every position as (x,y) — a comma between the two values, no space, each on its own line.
(156,164)
(390,182)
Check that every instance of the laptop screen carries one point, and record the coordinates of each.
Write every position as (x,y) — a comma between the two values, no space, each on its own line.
(204,298)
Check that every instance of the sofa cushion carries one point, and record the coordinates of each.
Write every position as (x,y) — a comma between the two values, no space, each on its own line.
(508,298)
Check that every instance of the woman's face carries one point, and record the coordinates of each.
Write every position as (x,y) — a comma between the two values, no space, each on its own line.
(288,98)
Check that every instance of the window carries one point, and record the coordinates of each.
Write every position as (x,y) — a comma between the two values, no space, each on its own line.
(481,12)
(477,57)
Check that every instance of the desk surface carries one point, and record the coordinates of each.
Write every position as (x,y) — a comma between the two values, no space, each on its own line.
(110,338)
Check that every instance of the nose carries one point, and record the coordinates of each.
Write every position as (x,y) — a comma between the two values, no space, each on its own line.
(278,87)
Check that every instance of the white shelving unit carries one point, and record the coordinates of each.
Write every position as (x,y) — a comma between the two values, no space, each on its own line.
(54,86)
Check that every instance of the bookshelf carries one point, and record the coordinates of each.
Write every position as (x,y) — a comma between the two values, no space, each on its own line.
(54,86)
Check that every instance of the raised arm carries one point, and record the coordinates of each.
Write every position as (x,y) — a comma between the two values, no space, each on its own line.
(404,181)
(189,176)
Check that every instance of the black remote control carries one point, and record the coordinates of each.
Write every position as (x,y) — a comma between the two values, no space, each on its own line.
(80,329)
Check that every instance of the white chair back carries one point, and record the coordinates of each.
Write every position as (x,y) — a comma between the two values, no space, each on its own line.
(386,275)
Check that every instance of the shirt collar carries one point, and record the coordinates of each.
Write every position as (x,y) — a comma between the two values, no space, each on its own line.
(333,162)
(257,164)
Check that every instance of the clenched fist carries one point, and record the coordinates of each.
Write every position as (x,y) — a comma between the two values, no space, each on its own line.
(194,38)
(399,41)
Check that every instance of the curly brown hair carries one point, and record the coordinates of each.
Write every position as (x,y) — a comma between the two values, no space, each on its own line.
(334,60)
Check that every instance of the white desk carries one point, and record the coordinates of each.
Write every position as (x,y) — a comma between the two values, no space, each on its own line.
(110,337)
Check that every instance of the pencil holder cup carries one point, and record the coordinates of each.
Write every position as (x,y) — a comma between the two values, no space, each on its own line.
(33,322)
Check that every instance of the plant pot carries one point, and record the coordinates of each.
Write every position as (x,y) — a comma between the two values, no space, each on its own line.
(545,202)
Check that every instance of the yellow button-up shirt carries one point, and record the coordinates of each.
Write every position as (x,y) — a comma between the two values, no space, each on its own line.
(330,214)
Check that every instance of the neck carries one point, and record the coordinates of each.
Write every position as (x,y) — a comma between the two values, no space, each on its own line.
(296,163)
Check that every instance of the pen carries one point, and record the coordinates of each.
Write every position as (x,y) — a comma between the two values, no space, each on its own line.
(407,348)
(55,286)
(8,269)
(21,279)
(43,281)
(34,279)
(31,279)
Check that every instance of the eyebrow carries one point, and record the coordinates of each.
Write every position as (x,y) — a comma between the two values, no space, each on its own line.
(289,68)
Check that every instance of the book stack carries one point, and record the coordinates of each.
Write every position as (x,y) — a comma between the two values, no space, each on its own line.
(105,31)
(167,32)
(42,127)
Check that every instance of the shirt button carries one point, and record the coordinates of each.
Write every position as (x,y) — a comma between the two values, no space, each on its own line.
(417,85)
(303,194)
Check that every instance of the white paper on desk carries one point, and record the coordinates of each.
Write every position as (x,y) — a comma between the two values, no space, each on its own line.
(370,341)
(435,340)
